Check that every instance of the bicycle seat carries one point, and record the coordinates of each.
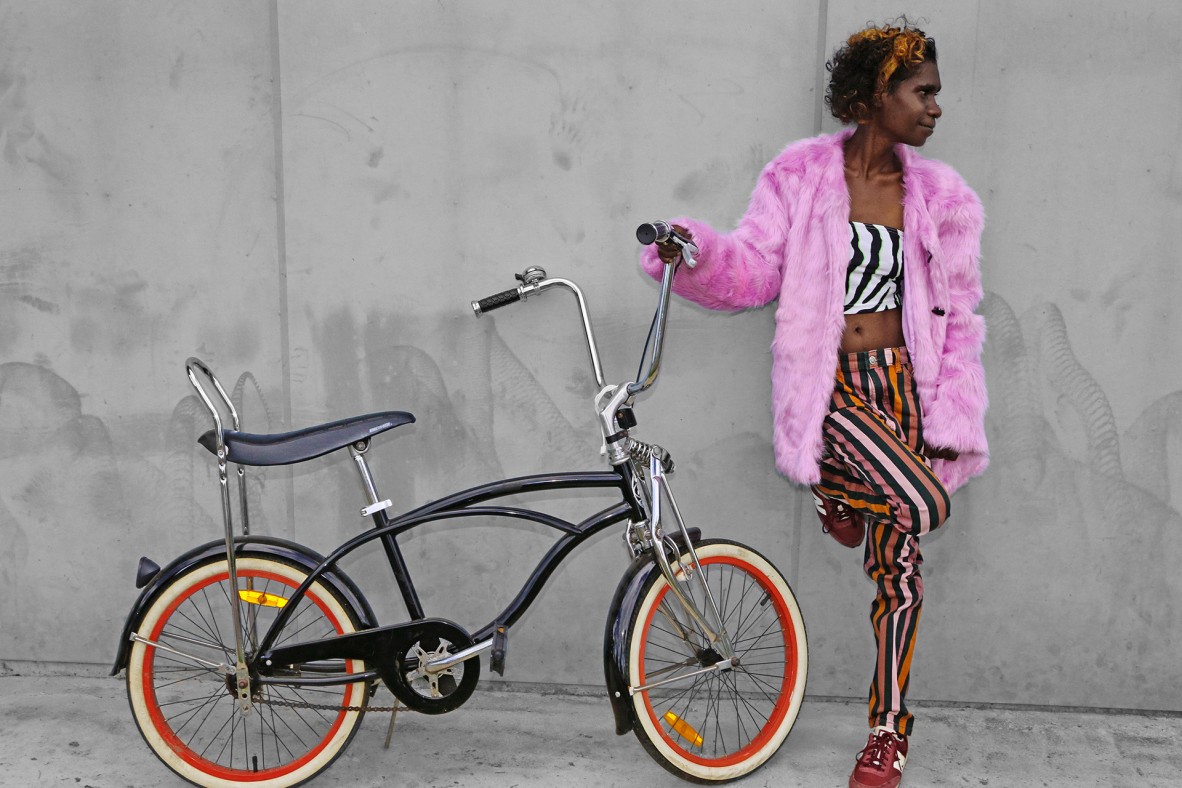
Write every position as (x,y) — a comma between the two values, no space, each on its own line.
(286,448)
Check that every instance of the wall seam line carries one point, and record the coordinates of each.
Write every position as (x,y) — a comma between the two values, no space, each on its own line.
(281,251)
(822,37)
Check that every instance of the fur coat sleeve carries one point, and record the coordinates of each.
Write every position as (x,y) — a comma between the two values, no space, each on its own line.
(736,270)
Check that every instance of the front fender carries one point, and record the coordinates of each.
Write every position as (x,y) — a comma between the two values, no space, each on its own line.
(615,638)
(268,546)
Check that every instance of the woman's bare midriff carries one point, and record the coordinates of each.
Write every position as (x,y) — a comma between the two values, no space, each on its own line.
(872,330)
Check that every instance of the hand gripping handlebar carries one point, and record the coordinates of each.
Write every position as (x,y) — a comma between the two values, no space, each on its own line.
(663,232)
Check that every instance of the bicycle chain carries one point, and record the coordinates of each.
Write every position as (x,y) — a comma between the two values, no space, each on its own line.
(331,707)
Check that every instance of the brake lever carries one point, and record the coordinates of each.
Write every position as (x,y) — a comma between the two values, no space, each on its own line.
(688,249)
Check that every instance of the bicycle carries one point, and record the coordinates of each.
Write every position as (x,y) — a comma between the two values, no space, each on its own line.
(252,659)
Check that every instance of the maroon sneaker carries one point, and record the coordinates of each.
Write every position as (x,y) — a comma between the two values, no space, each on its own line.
(880,765)
(840,521)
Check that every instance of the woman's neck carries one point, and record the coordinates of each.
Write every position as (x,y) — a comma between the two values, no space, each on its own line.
(869,152)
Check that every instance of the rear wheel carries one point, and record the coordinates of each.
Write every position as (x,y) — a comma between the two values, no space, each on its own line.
(187,711)
(718,725)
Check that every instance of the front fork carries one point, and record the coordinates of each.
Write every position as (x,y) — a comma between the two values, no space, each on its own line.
(658,493)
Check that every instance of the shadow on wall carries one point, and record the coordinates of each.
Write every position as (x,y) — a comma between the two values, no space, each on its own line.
(1046,409)
(1075,530)
(75,507)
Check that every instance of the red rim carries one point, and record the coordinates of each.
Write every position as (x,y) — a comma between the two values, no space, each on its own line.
(179,747)
(783,700)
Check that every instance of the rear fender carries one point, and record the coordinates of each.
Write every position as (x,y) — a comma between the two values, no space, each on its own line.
(267,546)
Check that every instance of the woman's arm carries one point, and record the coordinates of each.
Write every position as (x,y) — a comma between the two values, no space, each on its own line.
(740,269)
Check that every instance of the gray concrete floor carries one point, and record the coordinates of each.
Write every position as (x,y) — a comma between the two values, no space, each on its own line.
(68,731)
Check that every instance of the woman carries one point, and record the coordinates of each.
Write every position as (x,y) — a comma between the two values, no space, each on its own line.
(872,252)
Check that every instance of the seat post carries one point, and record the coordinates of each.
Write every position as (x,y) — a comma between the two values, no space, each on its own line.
(376,509)
(376,504)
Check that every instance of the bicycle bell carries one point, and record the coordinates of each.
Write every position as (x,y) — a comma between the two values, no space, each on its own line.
(531,275)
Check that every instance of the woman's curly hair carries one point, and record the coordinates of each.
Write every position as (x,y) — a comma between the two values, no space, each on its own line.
(872,62)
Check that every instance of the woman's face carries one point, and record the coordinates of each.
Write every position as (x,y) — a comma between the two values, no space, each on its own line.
(909,112)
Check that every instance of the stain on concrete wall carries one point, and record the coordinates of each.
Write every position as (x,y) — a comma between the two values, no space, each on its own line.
(136,156)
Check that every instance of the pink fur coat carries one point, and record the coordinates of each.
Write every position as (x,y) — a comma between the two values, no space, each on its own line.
(793,244)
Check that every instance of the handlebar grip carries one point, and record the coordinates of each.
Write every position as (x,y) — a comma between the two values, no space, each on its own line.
(496,301)
(654,233)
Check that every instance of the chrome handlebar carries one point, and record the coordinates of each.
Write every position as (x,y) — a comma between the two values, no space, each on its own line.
(534,280)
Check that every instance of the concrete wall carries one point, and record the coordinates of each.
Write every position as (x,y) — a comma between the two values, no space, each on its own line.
(307,194)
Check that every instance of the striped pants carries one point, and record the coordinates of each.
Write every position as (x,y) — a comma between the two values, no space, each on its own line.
(875,462)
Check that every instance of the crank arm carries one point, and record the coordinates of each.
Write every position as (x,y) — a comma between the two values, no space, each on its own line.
(218,666)
(439,665)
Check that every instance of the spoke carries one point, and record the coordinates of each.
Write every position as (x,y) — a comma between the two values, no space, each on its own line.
(197,618)
(199,634)
(725,602)
(669,668)
(712,710)
(677,652)
(775,621)
(216,733)
(209,704)
(665,608)
(298,712)
(308,606)
(201,677)
(753,615)
(217,632)
(742,597)
(755,678)
(286,724)
(750,709)
(670,700)
(690,702)
(274,735)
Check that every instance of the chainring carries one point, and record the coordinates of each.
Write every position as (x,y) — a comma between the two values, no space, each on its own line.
(404,669)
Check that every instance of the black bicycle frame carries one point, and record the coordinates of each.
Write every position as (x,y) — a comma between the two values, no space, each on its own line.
(463,504)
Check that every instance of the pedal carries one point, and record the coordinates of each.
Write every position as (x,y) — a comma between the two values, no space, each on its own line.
(500,648)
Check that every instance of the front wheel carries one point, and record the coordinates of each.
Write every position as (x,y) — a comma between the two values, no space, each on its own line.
(187,710)
(714,725)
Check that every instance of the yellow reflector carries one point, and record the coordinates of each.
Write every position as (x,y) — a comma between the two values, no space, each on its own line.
(259,598)
(683,729)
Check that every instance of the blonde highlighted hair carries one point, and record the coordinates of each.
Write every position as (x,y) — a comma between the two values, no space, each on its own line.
(871,63)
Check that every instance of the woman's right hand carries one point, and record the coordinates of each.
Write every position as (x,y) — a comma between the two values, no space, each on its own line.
(669,251)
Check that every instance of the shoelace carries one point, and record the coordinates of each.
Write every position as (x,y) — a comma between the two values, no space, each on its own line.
(879,750)
(841,512)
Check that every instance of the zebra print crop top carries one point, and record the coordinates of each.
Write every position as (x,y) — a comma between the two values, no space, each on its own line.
(874,278)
